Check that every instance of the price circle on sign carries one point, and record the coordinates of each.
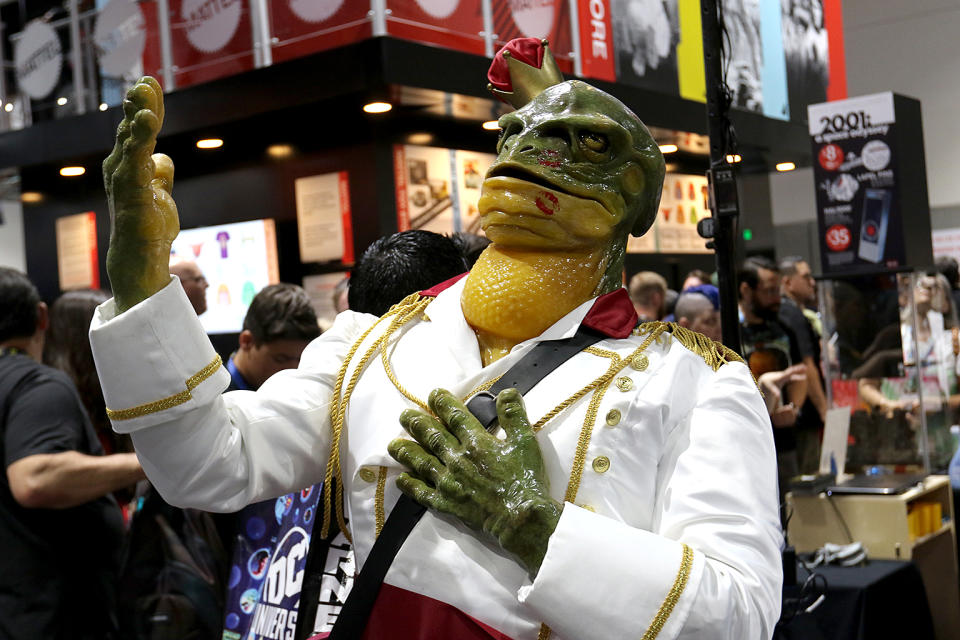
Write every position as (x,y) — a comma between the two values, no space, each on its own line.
(830,157)
(838,237)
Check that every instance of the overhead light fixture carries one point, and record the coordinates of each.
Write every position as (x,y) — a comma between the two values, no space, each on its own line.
(420,138)
(103,106)
(786,166)
(280,151)
(8,107)
(68,172)
(491,125)
(377,107)
(31,196)
(734,158)
(209,143)
(61,101)
(669,148)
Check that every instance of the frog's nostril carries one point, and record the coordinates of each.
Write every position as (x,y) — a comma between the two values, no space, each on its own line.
(527,148)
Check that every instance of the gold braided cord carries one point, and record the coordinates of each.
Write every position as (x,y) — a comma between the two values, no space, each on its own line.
(602,380)
(378,511)
(679,584)
(389,370)
(170,401)
(544,632)
(715,354)
(483,386)
(337,410)
(603,353)
(576,473)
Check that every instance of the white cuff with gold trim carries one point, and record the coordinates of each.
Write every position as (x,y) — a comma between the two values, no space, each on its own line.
(155,361)
(602,578)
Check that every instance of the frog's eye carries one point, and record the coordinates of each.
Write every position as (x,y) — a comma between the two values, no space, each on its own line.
(594,145)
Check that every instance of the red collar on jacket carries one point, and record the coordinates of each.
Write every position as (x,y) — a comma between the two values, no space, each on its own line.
(612,314)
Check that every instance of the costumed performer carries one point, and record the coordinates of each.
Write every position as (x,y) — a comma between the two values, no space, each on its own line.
(632,493)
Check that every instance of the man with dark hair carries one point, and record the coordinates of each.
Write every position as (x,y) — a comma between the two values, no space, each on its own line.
(279,325)
(397,265)
(799,291)
(768,346)
(60,528)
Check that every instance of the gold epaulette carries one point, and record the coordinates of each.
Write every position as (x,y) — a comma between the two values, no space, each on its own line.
(715,354)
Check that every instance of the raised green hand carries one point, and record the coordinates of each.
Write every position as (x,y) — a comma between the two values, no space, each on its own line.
(143,215)
(495,486)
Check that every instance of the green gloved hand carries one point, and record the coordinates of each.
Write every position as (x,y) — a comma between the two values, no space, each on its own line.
(143,215)
(499,487)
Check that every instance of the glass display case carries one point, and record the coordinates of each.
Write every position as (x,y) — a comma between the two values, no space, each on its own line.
(890,347)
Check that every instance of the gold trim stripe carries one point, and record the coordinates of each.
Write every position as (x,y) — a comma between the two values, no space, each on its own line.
(378,511)
(170,401)
(671,600)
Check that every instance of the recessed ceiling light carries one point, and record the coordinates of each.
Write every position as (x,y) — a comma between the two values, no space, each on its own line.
(280,151)
(786,166)
(377,107)
(669,148)
(103,106)
(8,107)
(209,143)
(31,196)
(420,138)
(491,125)
(72,171)
(734,158)
(61,101)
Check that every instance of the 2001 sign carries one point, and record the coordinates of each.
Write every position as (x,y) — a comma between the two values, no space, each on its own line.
(845,122)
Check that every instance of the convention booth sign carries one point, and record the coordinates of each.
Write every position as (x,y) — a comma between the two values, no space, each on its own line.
(301,27)
(209,40)
(452,24)
(37,59)
(871,187)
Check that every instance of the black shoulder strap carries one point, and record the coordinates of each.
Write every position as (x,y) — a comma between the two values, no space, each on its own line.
(523,376)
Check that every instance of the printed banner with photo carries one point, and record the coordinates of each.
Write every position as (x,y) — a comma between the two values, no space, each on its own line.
(454,24)
(437,189)
(548,19)
(237,260)
(78,262)
(301,27)
(209,40)
(814,53)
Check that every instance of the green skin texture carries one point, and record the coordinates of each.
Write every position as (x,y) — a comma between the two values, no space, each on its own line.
(571,137)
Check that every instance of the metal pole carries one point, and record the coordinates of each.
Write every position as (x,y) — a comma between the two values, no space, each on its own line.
(76,58)
(488,35)
(723,179)
(378,13)
(260,24)
(166,46)
(575,31)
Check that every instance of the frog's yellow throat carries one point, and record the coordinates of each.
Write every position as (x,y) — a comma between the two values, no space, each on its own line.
(514,295)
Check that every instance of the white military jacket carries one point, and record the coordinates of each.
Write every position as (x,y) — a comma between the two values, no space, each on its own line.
(670,527)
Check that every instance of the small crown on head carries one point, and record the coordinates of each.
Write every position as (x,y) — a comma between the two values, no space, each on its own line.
(521,70)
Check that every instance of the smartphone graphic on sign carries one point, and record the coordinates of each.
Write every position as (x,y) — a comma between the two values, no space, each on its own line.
(873,229)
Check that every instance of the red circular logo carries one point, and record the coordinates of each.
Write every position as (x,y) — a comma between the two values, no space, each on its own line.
(838,237)
(831,157)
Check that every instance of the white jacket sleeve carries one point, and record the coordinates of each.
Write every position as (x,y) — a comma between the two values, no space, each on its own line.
(162,382)
(711,566)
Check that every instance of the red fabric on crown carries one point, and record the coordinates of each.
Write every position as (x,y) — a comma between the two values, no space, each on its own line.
(528,50)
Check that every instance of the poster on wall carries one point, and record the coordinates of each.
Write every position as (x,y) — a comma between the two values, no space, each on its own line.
(77,260)
(868,161)
(453,24)
(946,243)
(683,203)
(548,19)
(237,260)
(323,217)
(437,189)
(301,27)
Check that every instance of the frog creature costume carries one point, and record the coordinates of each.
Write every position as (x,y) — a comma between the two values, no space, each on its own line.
(631,493)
